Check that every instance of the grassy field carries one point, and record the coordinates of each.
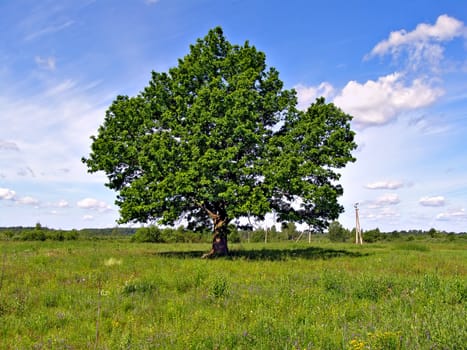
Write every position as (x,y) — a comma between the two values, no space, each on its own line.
(121,295)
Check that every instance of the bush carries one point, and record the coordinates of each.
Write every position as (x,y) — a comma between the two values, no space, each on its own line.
(151,234)
(372,236)
(336,232)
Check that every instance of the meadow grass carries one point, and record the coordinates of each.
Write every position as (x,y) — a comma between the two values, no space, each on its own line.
(122,295)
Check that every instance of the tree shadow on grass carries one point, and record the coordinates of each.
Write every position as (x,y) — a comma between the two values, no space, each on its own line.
(311,253)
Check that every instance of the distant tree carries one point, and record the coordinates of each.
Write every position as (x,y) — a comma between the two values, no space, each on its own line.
(150,234)
(289,230)
(372,236)
(433,233)
(337,233)
(217,138)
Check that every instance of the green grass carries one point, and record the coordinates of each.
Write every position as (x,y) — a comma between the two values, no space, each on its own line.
(121,295)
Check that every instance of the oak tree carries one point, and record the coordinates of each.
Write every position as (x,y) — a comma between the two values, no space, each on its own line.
(218,138)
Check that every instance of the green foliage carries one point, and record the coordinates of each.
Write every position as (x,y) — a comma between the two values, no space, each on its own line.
(218,132)
(38,233)
(372,236)
(337,233)
(151,234)
(219,287)
(234,234)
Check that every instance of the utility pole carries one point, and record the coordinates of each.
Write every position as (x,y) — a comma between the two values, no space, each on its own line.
(358,231)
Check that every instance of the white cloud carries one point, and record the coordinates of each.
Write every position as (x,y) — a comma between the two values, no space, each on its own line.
(27,200)
(94,204)
(150,2)
(88,217)
(445,29)
(421,48)
(385,185)
(452,215)
(388,199)
(379,102)
(47,63)
(437,201)
(6,193)
(306,95)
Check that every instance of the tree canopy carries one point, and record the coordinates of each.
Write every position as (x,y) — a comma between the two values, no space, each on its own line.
(217,137)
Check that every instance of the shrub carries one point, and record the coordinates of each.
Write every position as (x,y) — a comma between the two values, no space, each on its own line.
(372,236)
(336,232)
(150,234)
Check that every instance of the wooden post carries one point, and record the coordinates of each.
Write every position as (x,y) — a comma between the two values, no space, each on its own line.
(358,232)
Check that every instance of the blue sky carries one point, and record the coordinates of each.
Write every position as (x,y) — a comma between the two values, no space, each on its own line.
(399,67)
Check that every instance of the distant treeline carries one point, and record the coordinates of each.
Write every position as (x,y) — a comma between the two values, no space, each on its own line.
(337,233)
(41,233)
(155,234)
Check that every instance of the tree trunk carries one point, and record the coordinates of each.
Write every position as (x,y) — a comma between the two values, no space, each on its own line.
(219,238)
(219,245)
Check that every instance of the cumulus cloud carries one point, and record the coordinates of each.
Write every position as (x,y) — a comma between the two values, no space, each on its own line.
(93,204)
(306,95)
(452,215)
(422,40)
(379,102)
(385,185)
(436,201)
(423,48)
(413,85)
(6,193)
